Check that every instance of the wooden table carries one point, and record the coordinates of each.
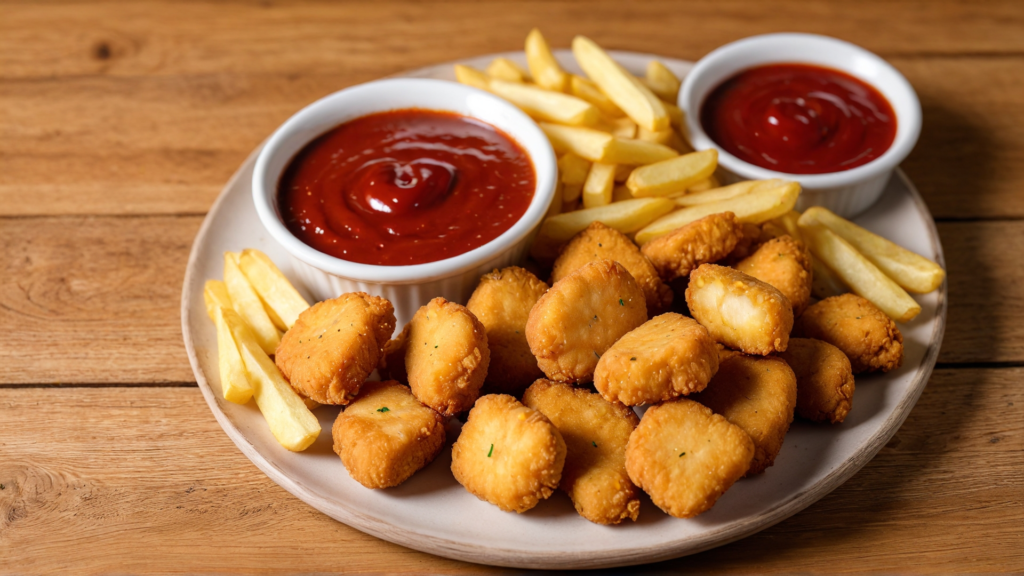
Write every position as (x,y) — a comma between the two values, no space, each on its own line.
(120,123)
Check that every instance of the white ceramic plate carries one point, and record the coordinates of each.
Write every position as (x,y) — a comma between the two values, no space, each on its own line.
(433,513)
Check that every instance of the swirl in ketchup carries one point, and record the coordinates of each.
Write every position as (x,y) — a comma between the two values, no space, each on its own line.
(799,119)
(406,187)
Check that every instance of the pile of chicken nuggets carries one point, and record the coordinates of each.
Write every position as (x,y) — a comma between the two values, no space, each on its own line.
(546,378)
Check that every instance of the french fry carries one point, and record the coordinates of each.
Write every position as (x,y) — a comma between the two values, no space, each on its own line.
(704,185)
(290,421)
(505,69)
(755,207)
(542,64)
(636,152)
(619,127)
(584,142)
(622,172)
(675,115)
(215,295)
(573,169)
(857,272)
(571,193)
(277,293)
(247,303)
(662,81)
(627,216)
(677,143)
(620,193)
(913,272)
(673,175)
(234,378)
(471,77)
(726,192)
(597,191)
(789,222)
(570,206)
(556,201)
(624,89)
(659,137)
(545,104)
(580,87)
(824,282)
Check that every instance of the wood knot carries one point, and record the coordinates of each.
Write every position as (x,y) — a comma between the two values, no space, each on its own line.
(102,51)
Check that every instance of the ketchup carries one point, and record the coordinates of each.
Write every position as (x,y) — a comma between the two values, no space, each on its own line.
(799,119)
(405,187)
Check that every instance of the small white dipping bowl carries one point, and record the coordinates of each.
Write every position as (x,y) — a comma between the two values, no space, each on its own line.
(848,192)
(407,287)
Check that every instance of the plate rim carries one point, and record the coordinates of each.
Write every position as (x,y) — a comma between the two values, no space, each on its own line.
(608,558)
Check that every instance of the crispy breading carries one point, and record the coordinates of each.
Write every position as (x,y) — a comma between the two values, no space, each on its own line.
(824,379)
(595,432)
(784,263)
(502,302)
(446,356)
(868,337)
(759,396)
(581,316)
(334,345)
(385,435)
(707,240)
(748,243)
(739,310)
(685,456)
(668,356)
(600,242)
(508,454)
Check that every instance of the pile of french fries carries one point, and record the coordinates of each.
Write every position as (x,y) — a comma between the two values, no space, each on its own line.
(251,307)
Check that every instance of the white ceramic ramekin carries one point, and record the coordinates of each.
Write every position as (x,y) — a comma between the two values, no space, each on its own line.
(848,192)
(407,287)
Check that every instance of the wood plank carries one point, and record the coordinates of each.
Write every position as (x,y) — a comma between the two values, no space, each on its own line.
(143,479)
(105,291)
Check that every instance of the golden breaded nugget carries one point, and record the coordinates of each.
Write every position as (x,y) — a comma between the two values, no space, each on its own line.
(739,310)
(707,240)
(508,454)
(668,356)
(824,379)
(595,432)
(868,337)
(502,302)
(748,242)
(334,345)
(685,456)
(759,396)
(600,242)
(784,263)
(385,435)
(446,356)
(581,316)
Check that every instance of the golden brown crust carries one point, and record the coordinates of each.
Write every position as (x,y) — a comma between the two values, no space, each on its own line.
(824,380)
(502,302)
(595,432)
(750,239)
(508,454)
(668,356)
(385,435)
(759,396)
(707,240)
(334,345)
(581,316)
(685,457)
(784,263)
(739,310)
(868,337)
(600,242)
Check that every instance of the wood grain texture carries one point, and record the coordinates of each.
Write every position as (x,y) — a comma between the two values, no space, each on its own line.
(143,480)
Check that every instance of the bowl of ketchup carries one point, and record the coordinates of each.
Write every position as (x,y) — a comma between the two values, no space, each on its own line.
(826,113)
(404,188)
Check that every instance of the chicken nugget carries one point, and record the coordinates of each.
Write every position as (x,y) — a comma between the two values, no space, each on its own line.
(668,356)
(707,240)
(334,345)
(759,396)
(502,302)
(824,379)
(595,432)
(739,310)
(685,456)
(868,337)
(748,243)
(508,454)
(446,356)
(784,263)
(581,316)
(600,242)
(385,435)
